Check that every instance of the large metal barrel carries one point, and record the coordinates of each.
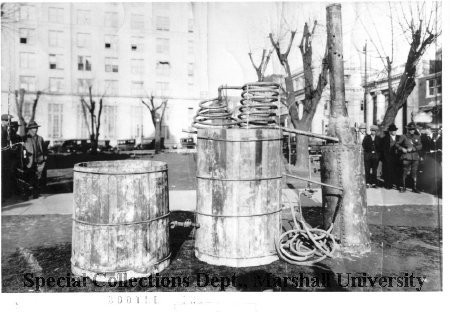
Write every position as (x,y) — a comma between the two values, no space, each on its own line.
(238,196)
(120,219)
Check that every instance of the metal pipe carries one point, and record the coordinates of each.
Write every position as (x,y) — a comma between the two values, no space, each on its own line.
(316,182)
(309,134)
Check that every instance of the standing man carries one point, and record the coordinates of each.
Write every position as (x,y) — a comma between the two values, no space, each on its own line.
(36,158)
(409,145)
(6,156)
(391,157)
(371,147)
(361,132)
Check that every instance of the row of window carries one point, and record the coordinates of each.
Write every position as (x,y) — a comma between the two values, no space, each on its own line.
(56,85)
(84,40)
(84,63)
(84,17)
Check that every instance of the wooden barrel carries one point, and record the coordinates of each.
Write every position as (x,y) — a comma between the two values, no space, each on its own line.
(120,219)
(238,196)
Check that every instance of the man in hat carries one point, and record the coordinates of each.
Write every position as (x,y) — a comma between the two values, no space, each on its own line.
(391,164)
(371,147)
(409,146)
(362,132)
(36,157)
(6,156)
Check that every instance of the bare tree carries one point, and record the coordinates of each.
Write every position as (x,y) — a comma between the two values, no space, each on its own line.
(420,30)
(92,115)
(20,103)
(261,68)
(312,94)
(157,114)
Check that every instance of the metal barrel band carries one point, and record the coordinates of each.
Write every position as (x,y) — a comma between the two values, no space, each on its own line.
(236,216)
(122,271)
(117,224)
(122,173)
(242,180)
(244,141)
(235,258)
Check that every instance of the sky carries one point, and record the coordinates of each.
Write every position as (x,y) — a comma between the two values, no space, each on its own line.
(247,26)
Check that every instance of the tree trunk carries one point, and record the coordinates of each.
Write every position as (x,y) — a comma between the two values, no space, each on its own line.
(342,163)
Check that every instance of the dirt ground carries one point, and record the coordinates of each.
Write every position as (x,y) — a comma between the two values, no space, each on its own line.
(399,247)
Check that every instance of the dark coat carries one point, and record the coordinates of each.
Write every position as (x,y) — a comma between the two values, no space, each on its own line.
(409,141)
(389,146)
(36,150)
(371,145)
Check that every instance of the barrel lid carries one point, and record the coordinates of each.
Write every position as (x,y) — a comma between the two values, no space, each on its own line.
(114,167)
(239,134)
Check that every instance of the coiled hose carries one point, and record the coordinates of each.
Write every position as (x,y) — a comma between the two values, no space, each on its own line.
(306,245)
(213,113)
(259,104)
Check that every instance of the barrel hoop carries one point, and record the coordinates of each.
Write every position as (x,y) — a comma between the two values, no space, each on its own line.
(237,258)
(116,224)
(121,173)
(220,179)
(253,140)
(243,216)
(119,271)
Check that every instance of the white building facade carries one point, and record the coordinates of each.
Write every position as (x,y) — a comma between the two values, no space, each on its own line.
(125,51)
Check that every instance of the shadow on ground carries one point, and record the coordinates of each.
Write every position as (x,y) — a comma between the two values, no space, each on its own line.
(396,250)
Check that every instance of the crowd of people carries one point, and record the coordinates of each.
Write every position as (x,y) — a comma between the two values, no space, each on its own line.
(400,156)
(24,157)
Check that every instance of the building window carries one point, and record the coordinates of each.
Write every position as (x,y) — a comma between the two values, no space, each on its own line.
(111,42)
(27,13)
(55,38)
(83,40)
(56,15)
(84,63)
(56,84)
(434,87)
(191,25)
(55,61)
(111,87)
(163,68)
(137,88)
(162,23)
(190,46)
(137,44)
(28,83)
(137,21)
(162,45)
(111,19)
(191,69)
(162,88)
(111,65)
(108,123)
(137,66)
(55,120)
(27,60)
(83,17)
(83,85)
(26,36)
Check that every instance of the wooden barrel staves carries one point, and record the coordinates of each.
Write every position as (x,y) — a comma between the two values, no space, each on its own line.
(120,219)
(238,196)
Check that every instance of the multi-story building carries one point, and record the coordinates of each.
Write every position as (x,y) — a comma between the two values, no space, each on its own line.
(124,51)
(354,95)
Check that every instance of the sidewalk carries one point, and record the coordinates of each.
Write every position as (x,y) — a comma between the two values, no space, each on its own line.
(185,200)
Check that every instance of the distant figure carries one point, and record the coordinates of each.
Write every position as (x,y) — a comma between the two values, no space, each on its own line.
(371,145)
(409,145)
(36,158)
(361,132)
(391,158)
(6,157)
(427,141)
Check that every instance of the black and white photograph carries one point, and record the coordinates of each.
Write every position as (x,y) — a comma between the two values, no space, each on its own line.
(192,147)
